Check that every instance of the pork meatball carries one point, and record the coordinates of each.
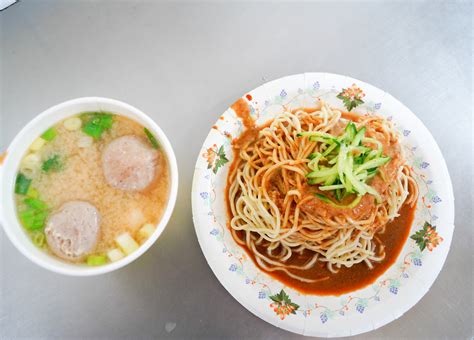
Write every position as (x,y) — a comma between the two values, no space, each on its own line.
(72,231)
(129,164)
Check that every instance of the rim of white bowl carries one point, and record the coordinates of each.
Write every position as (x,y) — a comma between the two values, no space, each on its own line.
(19,146)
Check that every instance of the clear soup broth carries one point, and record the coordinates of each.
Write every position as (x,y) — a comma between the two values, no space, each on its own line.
(92,188)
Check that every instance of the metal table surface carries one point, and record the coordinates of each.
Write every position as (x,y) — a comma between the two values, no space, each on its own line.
(183,64)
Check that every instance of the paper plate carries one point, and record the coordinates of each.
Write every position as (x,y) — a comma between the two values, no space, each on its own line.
(393,293)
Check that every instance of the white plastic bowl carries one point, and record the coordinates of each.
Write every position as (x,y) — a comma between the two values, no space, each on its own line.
(16,150)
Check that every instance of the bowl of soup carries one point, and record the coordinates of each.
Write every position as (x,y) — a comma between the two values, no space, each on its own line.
(87,186)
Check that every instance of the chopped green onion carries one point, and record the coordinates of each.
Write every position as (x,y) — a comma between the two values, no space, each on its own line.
(22,184)
(151,138)
(33,193)
(35,203)
(104,120)
(96,124)
(96,260)
(49,134)
(52,164)
(33,219)
(38,238)
(95,131)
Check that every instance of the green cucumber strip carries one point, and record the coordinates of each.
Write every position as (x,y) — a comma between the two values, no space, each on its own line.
(372,164)
(330,149)
(313,181)
(341,160)
(348,172)
(373,192)
(373,141)
(351,131)
(358,137)
(323,172)
(320,139)
(315,134)
(331,187)
(340,206)
(330,179)
(313,164)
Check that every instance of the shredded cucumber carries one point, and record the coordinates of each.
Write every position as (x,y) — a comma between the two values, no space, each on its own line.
(344,164)
(341,206)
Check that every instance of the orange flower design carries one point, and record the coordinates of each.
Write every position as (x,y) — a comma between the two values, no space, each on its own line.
(215,157)
(282,305)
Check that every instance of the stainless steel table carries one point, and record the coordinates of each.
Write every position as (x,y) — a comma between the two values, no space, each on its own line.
(183,64)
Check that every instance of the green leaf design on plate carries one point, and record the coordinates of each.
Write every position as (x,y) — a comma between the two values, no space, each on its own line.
(215,157)
(351,97)
(283,304)
(427,237)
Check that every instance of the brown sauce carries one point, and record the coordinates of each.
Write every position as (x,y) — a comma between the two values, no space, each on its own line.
(346,279)
(242,110)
